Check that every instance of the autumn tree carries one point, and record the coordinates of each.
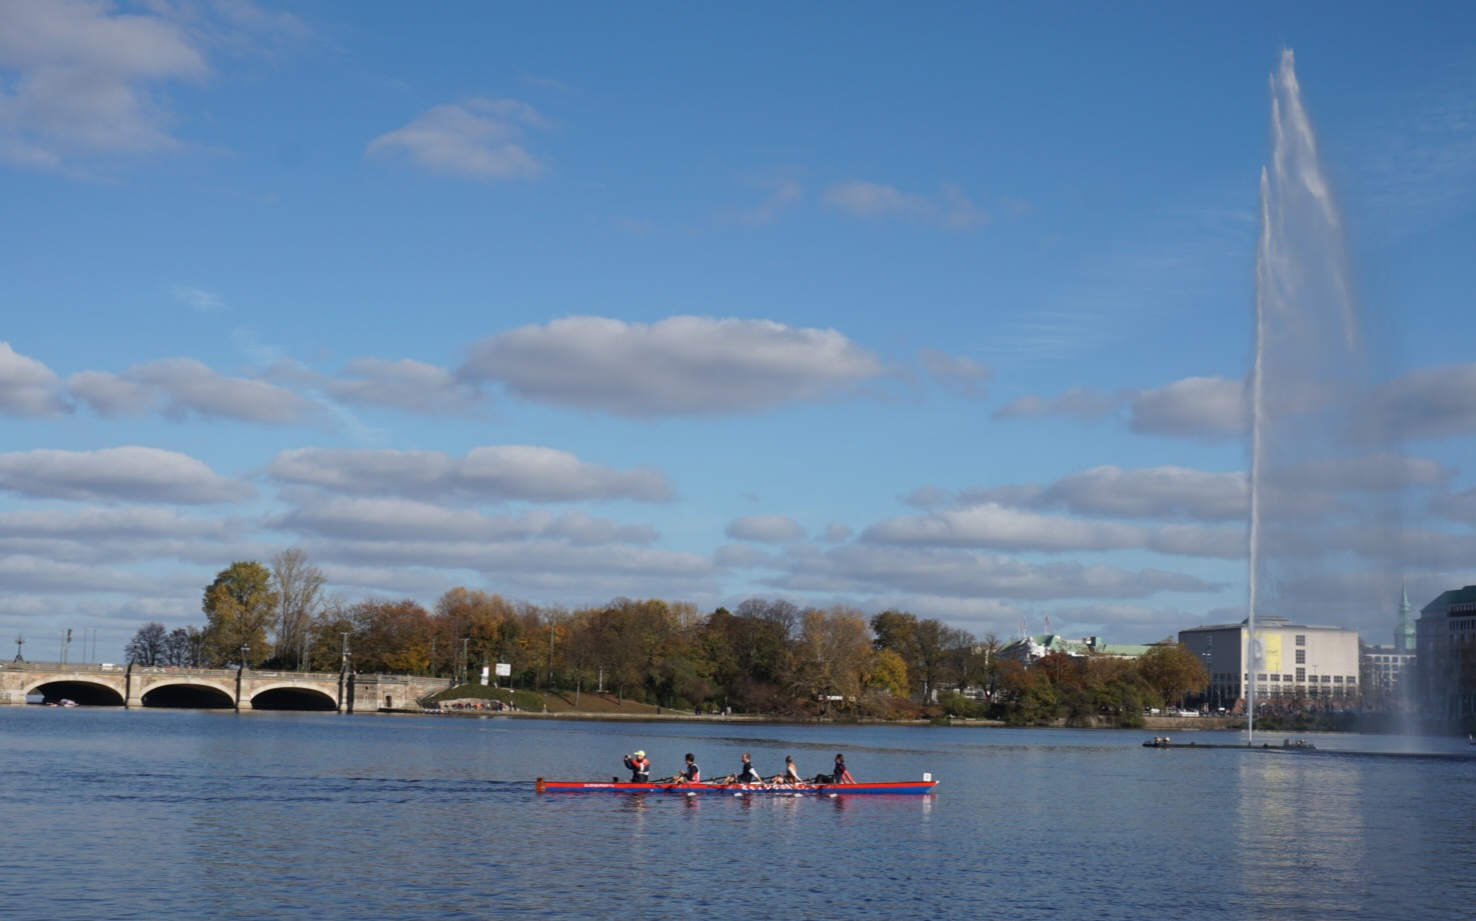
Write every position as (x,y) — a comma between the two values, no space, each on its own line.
(391,636)
(1172,671)
(299,587)
(831,653)
(239,607)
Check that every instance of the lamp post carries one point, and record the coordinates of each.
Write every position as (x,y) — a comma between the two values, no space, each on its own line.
(344,665)
(19,642)
(244,650)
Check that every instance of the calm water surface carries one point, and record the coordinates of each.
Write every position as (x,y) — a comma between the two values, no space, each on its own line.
(155,814)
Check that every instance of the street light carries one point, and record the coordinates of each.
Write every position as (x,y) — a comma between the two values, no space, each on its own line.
(244,650)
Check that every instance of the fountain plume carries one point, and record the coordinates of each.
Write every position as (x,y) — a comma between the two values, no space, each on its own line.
(1305,380)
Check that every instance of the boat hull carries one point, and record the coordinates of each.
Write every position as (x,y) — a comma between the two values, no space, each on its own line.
(903,787)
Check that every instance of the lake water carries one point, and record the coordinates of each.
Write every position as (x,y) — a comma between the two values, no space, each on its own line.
(155,814)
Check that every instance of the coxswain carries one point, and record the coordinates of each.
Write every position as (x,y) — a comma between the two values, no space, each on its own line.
(640,767)
(691,773)
(841,775)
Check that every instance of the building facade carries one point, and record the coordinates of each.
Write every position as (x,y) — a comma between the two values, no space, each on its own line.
(1445,643)
(1388,671)
(1030,649)
(1292,662)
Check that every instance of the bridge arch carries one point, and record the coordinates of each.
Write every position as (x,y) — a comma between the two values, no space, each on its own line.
(84,692)
(291,697)
(188,694)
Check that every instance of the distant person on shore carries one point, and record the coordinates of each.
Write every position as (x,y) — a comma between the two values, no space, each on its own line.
(791,773)
(691,773)
(640,767)
(841,775)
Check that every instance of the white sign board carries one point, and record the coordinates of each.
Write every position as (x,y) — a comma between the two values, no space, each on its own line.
(503,669)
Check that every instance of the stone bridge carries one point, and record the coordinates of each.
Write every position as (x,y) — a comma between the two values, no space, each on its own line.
(245,689)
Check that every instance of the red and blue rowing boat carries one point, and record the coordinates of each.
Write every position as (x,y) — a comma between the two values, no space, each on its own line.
(903,787)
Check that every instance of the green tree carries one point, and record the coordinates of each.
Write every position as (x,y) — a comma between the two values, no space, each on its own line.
(239,607)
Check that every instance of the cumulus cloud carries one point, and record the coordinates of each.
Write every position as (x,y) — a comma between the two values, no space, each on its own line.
(1078,402)
(1196,407)
(539,567)
(499,473)
(950,209)
(681,366)
(475,139)
(963,375)
(768,529)
(85,80)
(1435,402)
(182,388)
(134,474)
(40,574)
(998,527)
(1154,492)
(956,573)
(28,387)
(375,518)
(412,386)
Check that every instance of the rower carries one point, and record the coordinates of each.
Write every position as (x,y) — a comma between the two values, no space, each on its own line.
(791,773)
(691,773)
(841,775)
(747,774)
(640,767)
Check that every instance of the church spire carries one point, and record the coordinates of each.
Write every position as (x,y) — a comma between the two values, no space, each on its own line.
(1404,634)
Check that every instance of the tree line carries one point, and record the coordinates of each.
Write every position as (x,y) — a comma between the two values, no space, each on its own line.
(762,656)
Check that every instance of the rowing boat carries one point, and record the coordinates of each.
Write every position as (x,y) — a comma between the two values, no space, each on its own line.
(905,787)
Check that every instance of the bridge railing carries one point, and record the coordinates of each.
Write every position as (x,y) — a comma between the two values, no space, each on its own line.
(58,667)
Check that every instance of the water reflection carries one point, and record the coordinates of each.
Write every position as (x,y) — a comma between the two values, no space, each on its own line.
(1299,818)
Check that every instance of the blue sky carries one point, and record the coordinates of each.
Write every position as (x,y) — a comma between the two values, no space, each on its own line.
(943,307)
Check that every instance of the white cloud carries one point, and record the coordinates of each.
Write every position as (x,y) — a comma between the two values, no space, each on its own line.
(476,139)
(868,568)
(963,375)
(1196,407)
(412,386)
(950,209)
(39,574)
(681,366)
(84,80)
(180,388)
(1435,402)
(1155,492)
(998,527)
(499,473)
(393,519)
(769,529)
(198,299)
(28,387)
(135,474)
(1078,401)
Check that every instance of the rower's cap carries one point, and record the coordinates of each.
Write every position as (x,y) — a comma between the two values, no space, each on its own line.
(640,754)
